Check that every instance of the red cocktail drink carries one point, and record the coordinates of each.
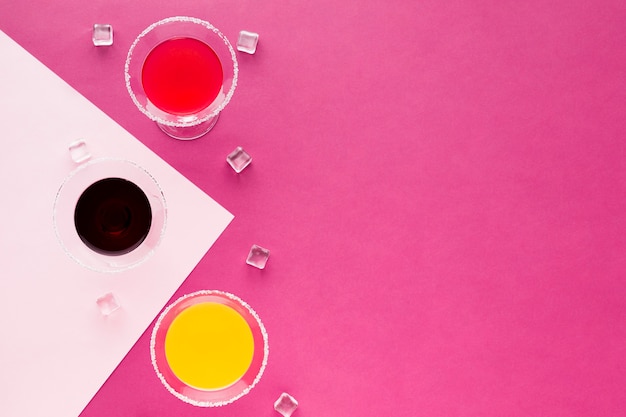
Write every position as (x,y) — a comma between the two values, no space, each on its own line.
(181,72)
(182,76)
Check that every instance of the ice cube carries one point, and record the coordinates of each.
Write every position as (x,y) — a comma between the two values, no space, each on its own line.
(78,151)
(102,35)
(238,159)
(285,404)
(258,256)
(107,304)
(247,41)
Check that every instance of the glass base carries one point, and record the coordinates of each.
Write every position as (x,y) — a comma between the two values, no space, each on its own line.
(189,132)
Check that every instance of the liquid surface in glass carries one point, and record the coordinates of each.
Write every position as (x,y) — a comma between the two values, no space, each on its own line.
(209,346)
(182,76)
(113,216)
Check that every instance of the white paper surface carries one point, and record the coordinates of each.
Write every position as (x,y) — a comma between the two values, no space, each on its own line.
(56,348)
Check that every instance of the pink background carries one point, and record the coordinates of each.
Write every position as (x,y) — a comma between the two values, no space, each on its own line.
(442,186)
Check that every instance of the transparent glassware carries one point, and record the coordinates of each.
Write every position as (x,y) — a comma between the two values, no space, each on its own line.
(187,124)
(203,397)
(65,214)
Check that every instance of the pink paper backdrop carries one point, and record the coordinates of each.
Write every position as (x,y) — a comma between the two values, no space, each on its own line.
(442,186)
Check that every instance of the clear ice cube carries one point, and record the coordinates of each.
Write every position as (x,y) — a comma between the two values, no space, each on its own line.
(238,159)
(102,35)
(78,151)
(247,41)
(258,256)
(107,304)
(285,404)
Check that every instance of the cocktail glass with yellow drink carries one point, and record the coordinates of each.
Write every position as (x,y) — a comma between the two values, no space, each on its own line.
(209,348)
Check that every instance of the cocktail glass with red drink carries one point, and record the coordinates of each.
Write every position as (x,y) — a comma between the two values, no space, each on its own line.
(181,72)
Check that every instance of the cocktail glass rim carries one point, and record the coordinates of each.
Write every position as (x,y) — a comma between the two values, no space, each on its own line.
(77,181)
(184,120)
(218,397)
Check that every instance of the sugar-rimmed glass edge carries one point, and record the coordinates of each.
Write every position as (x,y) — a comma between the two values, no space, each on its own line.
(231,392)
(65,230)
(192,121)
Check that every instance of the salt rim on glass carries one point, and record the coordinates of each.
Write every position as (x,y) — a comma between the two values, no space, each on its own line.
(217,397)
